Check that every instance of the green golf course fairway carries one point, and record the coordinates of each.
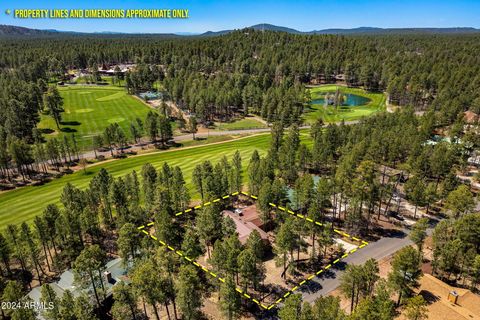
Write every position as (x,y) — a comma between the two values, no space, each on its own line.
(25,203)
(88,110)
(347,113)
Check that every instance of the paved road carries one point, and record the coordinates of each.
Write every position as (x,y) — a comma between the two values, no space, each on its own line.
(378,250)
(186,137)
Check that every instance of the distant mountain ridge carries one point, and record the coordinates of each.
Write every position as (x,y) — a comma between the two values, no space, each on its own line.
(22,31)
(8,30)
(353,31)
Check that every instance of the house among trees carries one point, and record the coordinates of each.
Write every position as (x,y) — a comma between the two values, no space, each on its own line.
(111,70)
(114,273)
(246,220)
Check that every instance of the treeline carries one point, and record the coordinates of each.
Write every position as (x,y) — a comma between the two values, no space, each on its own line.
(36,160)
(456,256)
(78,236)
(352,191)
(420,70)
(247,71)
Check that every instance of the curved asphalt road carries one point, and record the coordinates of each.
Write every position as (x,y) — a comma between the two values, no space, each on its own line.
(378,250)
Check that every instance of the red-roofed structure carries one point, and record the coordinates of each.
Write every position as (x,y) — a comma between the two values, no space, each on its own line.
(246,220)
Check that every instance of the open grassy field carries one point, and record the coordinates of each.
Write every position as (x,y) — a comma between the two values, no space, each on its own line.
(89,110)
(242,124)
(25,203)
(348,113)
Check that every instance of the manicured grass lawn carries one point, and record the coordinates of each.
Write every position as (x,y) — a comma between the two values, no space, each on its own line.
(89,110)
(242,124)
(347,113)
(25,203)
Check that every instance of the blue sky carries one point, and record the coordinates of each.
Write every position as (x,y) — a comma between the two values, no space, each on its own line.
(304,15)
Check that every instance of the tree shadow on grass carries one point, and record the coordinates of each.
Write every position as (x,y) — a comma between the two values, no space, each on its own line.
(70,123)
(68,130)
(46,130)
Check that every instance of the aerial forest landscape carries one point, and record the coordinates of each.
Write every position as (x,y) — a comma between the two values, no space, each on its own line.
(253,172)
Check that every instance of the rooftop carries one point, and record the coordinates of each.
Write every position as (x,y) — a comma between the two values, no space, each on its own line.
(246,222)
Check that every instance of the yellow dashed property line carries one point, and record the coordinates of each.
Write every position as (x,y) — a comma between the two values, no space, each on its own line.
(315,274)
(340,232)
(207,271)
(301,216)
(311,277)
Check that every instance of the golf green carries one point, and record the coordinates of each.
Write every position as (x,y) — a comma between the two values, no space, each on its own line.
(88,110)
(360,104)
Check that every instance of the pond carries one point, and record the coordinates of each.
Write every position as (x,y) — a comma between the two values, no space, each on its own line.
(350,100)
(150,95)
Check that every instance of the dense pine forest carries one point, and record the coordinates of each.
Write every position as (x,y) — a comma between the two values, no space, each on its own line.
(362,171)
(248,71)
(261,71)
